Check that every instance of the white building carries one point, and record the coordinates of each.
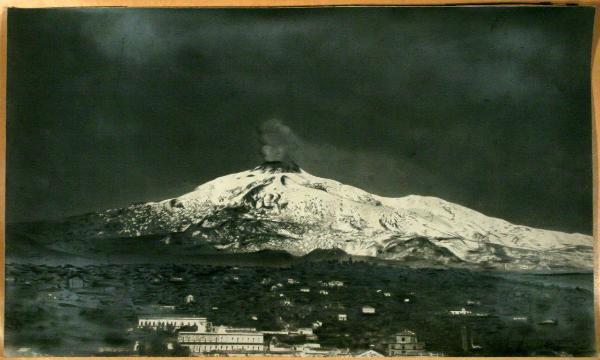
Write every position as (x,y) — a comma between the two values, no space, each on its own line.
(406,344)
(460,312)
(368,309)
(305,331)
(305,290)
(342,317)
(175,321)
(311,350)
(189,299)
(282,350)
(323,292)
(387,294)
(223,340)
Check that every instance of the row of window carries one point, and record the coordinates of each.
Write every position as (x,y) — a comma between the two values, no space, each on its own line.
(406,347)
(209,348)
(221,338)
(404,352)
(166,323)
(406,339)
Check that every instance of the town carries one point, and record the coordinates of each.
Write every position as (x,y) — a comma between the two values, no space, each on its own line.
(312,309)
(197,336)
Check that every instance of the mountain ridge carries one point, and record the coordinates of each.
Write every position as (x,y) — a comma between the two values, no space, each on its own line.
(279,206)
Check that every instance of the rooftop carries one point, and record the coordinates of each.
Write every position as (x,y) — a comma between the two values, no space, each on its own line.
(406,333)
(172,317)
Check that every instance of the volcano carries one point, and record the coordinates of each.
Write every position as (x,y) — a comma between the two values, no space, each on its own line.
(279,207)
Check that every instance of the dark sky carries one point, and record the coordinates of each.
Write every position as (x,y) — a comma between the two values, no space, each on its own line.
(486,107)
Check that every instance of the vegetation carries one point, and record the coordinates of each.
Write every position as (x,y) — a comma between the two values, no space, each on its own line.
(44,314)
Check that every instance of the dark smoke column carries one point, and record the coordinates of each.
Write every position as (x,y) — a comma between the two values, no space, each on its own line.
(279,143)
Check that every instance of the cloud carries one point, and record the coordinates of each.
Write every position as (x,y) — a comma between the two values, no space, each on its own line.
(132,38)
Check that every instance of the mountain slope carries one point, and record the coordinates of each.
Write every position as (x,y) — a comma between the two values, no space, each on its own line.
(279,206)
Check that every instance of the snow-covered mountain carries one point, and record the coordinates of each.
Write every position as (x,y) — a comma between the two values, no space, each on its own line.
(278,206)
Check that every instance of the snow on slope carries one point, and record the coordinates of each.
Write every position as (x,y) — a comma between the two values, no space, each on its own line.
(338,215)
(295,211)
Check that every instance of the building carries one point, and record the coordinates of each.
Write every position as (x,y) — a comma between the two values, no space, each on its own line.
(223,340)
(281,349)
(305,331)
(312,350)
(156,309)
(189,299)
(387,294)
(368,309)
(305,290)
(460,312)
(342,317)
(406,344)
(173,321)
(323,292)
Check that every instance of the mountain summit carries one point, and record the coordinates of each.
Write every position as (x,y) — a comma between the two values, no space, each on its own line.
(278,166)
(278,206)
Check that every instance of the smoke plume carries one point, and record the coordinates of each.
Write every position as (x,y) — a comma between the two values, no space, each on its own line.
(279,143)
